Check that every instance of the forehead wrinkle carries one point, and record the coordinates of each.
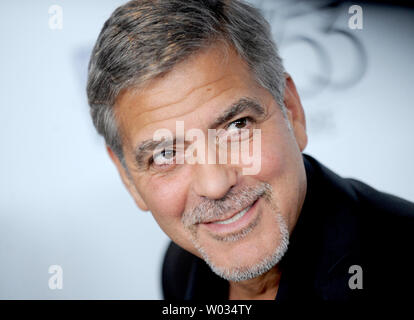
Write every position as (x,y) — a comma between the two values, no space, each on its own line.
(187,68)
(186,95)
(214,54)
(159,109)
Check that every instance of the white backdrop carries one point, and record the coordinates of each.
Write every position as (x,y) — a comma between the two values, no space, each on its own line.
(61,200)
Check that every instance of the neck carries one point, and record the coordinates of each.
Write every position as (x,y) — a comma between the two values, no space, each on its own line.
(263,287)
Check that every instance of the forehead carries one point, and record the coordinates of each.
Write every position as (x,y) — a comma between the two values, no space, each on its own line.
(193,91)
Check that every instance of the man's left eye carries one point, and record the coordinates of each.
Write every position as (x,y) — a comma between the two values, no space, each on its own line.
(239,123)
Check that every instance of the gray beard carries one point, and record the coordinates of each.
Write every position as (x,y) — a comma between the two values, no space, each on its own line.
(242,273)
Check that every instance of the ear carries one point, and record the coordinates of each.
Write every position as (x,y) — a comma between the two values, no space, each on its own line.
(295,113)
(127,180)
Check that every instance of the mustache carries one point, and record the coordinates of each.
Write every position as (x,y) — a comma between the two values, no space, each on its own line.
(234,200)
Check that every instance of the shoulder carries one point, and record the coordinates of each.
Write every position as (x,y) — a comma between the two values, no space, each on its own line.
(353,213)
(365,201)
(387,222)
(362,226)
(386,205)
(176,271)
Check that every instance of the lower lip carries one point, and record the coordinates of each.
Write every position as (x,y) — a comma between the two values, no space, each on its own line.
(236,225)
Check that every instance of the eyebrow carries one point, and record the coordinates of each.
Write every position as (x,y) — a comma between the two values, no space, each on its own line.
(236,108)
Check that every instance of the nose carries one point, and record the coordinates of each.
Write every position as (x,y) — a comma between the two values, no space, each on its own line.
(213,181)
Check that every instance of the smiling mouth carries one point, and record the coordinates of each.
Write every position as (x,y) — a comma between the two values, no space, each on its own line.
(237,226)
(227,219)
(236,217)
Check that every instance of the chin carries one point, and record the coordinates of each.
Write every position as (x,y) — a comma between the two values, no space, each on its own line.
(246,256)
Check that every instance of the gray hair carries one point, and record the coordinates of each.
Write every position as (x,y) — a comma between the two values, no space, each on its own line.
(144,39)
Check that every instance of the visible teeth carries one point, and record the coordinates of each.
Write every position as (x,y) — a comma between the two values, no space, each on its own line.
(235,217)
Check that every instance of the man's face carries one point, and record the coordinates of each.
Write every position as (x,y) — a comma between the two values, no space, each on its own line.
(233,220)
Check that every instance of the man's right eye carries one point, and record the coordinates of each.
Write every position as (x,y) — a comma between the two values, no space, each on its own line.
(165,157)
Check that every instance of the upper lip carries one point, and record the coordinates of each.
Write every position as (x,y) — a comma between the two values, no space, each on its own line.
(228,216)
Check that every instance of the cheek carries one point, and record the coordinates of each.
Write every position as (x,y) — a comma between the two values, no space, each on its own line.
(166,196)
(272,159)
(280,168)
(279,151)
(165,199)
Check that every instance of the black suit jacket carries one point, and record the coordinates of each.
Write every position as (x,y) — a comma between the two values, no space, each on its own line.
(343,223)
